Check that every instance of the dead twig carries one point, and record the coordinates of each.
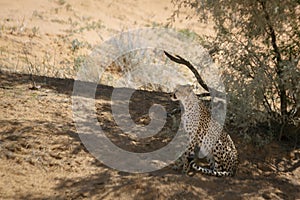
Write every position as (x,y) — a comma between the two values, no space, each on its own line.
(30,68)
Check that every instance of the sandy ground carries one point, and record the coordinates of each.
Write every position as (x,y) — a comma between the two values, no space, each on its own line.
(41,155)
(54,35)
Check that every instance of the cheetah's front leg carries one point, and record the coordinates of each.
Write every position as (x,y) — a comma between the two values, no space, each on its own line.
(186,163)
(182,163)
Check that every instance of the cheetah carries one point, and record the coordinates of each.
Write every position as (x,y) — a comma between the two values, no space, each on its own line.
(207,139)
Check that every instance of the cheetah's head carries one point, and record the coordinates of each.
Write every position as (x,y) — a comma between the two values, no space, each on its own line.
(181,93)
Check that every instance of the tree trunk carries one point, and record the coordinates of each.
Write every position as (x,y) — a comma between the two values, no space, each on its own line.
(279,67)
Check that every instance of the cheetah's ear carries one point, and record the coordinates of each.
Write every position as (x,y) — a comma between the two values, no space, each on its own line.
(188,88)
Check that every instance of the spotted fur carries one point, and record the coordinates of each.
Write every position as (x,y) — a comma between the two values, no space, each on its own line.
(207,137)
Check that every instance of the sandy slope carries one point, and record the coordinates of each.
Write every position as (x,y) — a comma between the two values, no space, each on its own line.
(38,32)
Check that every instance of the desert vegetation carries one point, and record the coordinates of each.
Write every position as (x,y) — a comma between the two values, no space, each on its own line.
(257,45)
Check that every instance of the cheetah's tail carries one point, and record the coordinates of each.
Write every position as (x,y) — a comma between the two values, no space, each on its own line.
(210,171)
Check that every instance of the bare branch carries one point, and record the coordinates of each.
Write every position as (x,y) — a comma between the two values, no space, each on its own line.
(181,60)
(203,95)
(178,59)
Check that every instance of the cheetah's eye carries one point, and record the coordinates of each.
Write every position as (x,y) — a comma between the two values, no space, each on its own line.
(173,96)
